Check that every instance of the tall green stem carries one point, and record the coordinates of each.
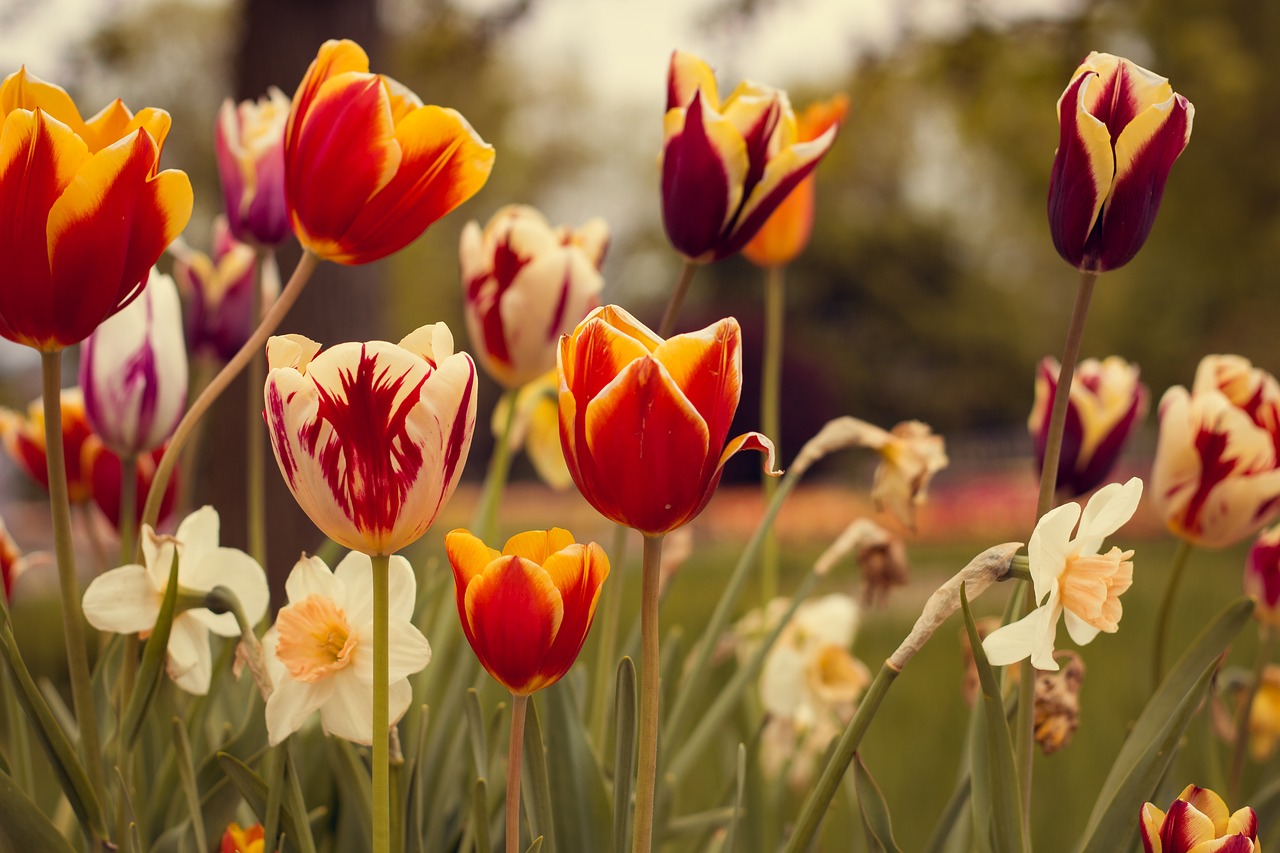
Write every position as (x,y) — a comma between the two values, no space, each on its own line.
(381,700)
(301,274)
(1180,558)
(496,479)
(775,310)
(256,437)
(68,584)
(129,656)
(647,772)
(668,324)
(515,752)
(1266,646)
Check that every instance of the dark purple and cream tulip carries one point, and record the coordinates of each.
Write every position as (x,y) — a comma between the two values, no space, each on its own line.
(249,143)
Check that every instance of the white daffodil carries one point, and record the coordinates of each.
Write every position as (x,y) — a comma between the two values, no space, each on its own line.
(320,651)
(1072,579)
(127,600)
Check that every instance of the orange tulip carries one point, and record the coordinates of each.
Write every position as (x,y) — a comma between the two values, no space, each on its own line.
(526,610)
(367,166)
(239,840)
(23,439)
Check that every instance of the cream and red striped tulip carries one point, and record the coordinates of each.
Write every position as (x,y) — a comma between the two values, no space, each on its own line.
(249,144)
(87,212)
(726,166)
(1216,479)
(1199,822)
(371,437)
(524,285)
(1120,129)
(367,166)
(644,422)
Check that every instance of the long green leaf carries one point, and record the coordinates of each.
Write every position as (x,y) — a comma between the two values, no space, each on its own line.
(151,670)
(731,840)
(1153,740)
(475,732)
(624,754)
(254,791)
(480,816)
(187,774)
(874,810)
(541,819)
(579,799)
(23,825)
(294,803)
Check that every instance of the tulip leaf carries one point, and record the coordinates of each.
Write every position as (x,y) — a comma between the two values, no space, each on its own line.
(355,788)
(413,804)
(475,732)
(538,803)
(23,825)
(624,755)
(1153,740)
(295,804)
(578,795)
(874,810)
(254,791)
(536,846)
(187,775)
(480,816)
(151,670)
(732,835)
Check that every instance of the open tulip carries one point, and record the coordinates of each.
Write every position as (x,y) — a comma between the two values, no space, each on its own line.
(23,438)
(643,421)
(249,144)
(1121,127)
(133,371)
(86,208)
(371,437)
(526,609)
(218,293)
(239,840)
(367,166)
(1107,403)
(1215,478)
(524,285)
(1199,822)
(727,166)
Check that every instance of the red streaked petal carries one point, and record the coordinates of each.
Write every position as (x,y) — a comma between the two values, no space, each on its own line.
(1228,844)
(1122,91)
(599,352)
(1083,171)
(1184,827)
(707,367)
(1244,821)
(25,91)
(513,611)
(686,76)
(704,165)
(115,122)
(334,58)
(467,555)
(1149,826)
(622,320)
(578,572)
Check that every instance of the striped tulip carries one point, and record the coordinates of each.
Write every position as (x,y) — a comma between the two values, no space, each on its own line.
(1199,822)
(643,421)
(786,232)
(367,166)
(371,437)
(727,166)
(23,439)
(1120,129)
(526,609)
(249,143)
(1216,477)
(525,284)
(1107,403)
(86,208)
(1262,575)
(218,293)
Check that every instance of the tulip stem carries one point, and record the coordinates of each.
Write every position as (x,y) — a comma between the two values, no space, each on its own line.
(128,527)
(668,324)
(495,480)
(301,274)
(1266,646)
(1180,559)
(515,752)
(775,311)
(68,584)
(256,452)
(381,701)
(647,774)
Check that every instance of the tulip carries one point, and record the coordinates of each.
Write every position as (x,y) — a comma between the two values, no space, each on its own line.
(1215,475)
(367,166)
(1262,576)
(104,470)
(249,144)
(133,371)
(1264,715)
(23,438)
(786,232)
(526,609)
(525,284)
(12,563)
(371,437)
(727,166)
(1199,821)
(643,421)
(218,293)
(1107,403)
(87,211)
(1120,129)
(239,840)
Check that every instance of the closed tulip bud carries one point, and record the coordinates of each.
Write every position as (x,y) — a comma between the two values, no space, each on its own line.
(249,144)
(727,166)
(1120,129)
(217,293)
(23,439)
(524,285)
(1196,820)
(1262,576)
(1106,405)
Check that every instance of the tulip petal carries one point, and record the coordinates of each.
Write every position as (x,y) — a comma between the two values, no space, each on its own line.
(538,545)
(1244,821)
(333,59)
(122,601)
(1209,804)
(1152,818)
(598,351)
(707,367)
(467,555)
(704,165)
(1083,172)
(512,612)
(1185,827)
(291,702)
(686,76)
(578,571)
(25,91)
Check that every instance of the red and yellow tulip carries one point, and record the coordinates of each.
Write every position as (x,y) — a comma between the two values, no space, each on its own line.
(526,609)
(727,166)
(104,471)
(23,438)
(1199,822)
(217,293)
(239,840)
(1121,127)
(367,166)
(643,421)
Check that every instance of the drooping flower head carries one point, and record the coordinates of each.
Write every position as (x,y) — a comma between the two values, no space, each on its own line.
(911,453)
(1121,127)
(249,144)
(87,210)
(524,285)
(23,439)
(371,437)
(526,609)
(367,166)
(1199,822)
(643,421)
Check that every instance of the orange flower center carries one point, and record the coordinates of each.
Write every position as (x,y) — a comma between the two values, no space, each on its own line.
(1091,586)
(315,639)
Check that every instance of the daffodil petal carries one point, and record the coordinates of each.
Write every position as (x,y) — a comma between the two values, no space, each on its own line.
(122,601)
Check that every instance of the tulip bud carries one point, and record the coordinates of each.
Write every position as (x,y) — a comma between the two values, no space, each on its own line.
(1196,819)
(1262,576)
(249,144)
(218,293)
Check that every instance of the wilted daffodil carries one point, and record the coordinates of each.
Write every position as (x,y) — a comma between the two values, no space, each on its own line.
(727,166)
(1072,579)
(524,285)
(320,650)
(87,210)
(23,439)
(910,455)
(1120,129)
(371,437)
(367,166)
(249,144)
(1215,478)
(1199,822)
(127,600)
(1107,403)
(643,421)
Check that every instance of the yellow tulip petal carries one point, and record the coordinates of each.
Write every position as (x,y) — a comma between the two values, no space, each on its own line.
(538,545)
(688,75)
(468,555)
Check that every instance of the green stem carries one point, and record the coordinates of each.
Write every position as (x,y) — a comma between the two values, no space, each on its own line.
(607,630)
(381,714)
(68,584)
(519,703)
(201,375)
(647,773)
(775,310)
(1266,646)
(256,438)
(16,727)
(496,479)
(1180,559)
(128,527)
(301,274)
(668,324)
